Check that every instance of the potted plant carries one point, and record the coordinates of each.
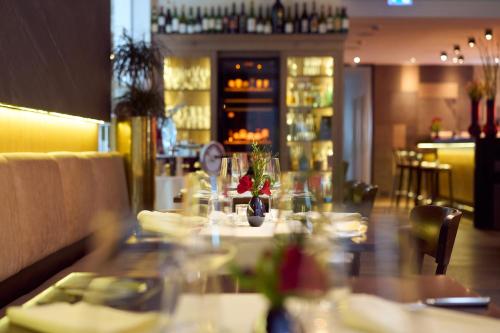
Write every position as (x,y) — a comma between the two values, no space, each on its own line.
(136,65)
(435,127)
(257,183)
(293,267)
(489,52)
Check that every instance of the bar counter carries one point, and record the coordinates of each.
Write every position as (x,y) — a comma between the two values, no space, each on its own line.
(460,155)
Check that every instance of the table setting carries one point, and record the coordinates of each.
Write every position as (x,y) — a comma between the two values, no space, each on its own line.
(251,250)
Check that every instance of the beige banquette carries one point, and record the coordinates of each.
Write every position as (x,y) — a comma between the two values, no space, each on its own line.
(49,203)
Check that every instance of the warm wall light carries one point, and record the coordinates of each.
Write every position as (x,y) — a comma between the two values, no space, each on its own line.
(454,60)
(356,60)
(497,60)
(461,59)
(444,56)
(472,42)
(413,60)
(27,129)
(456,49)
(488,34)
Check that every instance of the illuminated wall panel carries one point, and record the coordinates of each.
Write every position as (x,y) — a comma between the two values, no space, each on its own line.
(30,130)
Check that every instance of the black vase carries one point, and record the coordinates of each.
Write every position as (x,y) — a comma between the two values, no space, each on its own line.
(490,128)
(255,212)
(474,128)
(279,321)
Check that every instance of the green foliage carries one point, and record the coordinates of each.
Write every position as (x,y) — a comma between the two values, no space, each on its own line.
(138,63)
(140,102)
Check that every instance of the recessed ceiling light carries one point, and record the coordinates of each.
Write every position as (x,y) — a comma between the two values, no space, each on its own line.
(443,56)
(456,49)
(461,59)
(472,42)
(356,60)
(413,60)
(488,34)
(455,60)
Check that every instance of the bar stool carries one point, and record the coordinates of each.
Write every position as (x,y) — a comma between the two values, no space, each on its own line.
(407,165)
(428,174)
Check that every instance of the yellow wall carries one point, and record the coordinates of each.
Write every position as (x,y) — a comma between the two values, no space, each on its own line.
(30,130)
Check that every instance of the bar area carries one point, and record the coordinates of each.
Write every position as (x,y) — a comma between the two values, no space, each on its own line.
(249,166)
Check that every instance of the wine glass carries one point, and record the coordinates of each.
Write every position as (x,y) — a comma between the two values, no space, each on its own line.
(230,171)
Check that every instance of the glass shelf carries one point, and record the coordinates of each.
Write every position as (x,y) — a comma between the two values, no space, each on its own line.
(186,82)
(309,100)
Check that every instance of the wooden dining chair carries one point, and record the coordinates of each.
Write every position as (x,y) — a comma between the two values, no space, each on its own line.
(359,197)
(433,232)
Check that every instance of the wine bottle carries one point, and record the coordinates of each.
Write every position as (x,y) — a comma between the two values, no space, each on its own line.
(204,21)
(330,19)
(190,21)
(322,28)
(296,20)
(268,26)
(183,21)
(211,21)
(344,20)
(161,21)
(225,21)
(218,21)
(314,21)
(175,22)
(260,22)
(233,21)
(154,20)
(242,20)
(289,21)
(304,20)
(198,27)
(168,22)
(338,20)
(278,17)
(251,20)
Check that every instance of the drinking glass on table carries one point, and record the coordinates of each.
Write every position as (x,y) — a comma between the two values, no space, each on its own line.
(231,171)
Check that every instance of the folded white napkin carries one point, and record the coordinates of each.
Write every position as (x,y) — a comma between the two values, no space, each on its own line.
(81,318)
(335,216)
(172,224)
(369,313)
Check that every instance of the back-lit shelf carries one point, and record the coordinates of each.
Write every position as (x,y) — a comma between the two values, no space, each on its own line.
(249,90)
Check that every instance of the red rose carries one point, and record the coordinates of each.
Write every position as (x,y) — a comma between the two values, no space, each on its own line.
(300,273)
(266,188)
(245,184)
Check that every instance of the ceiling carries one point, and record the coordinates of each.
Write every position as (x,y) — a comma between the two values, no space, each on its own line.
(391,40)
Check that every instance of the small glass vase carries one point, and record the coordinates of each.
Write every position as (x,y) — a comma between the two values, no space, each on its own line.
(279,320)
(474,128)
(255,211)
(490,128)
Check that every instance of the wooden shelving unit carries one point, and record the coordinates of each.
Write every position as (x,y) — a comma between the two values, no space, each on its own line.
(217,46)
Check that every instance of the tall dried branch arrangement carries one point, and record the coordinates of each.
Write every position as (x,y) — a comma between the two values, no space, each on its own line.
(489,52)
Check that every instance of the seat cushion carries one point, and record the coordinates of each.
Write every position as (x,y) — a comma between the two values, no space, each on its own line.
(42,222)
(10,254)
(78,184)
(111,193)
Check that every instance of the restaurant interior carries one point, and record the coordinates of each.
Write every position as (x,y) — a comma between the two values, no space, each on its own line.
(273,166)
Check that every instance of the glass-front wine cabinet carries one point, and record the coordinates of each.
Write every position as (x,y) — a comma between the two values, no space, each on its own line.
(248,103)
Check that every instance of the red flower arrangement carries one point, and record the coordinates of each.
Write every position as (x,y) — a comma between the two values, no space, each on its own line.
(256,182)
(286,270)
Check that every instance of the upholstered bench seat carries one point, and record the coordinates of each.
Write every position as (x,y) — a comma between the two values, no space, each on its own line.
(50,204)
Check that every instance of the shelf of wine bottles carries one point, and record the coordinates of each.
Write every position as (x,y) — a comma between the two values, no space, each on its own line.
(309,101)
(304,18)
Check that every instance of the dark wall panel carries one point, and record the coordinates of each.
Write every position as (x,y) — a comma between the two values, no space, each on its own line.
(54,55)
